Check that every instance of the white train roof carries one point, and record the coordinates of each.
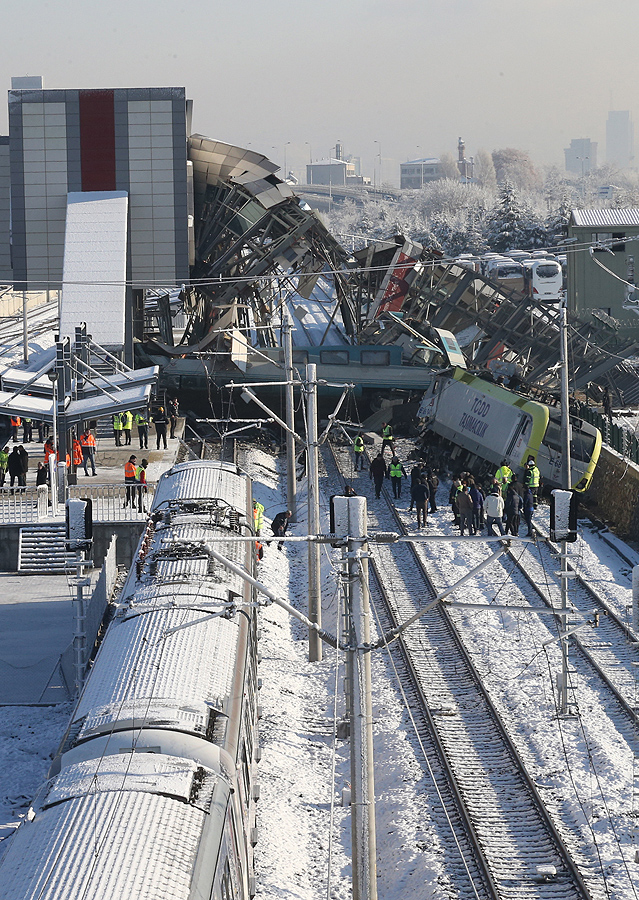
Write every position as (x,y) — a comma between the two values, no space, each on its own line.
(202,480)
(132,825)
(146,674)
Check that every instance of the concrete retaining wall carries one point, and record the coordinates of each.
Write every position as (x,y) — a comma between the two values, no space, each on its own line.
(614,493)
(128,537)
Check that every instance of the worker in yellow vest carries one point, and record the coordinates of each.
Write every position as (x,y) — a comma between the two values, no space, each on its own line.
(258,517)
(358,449)
(387,437)
(117,429)
(503,476)
(532,478)
(127,425)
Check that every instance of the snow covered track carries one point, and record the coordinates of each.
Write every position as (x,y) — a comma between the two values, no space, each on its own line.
(610,649)
(513,835)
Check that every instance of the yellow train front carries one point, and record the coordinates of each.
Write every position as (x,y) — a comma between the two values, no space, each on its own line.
(491,423)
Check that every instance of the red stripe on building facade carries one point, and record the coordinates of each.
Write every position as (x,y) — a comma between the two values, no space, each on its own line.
(97,140)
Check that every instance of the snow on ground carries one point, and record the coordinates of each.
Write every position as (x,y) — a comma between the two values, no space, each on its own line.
(583,766)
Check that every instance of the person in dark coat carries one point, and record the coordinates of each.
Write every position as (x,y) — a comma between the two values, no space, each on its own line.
(42,475)
(14,466)
(433,484)
(528,508)
(174,407)
(452,499)
(465,507)
(415,477)
(478,506)
(420,494)
(24,456)
(378,472)
(280,524)
(160,421)
(512,508)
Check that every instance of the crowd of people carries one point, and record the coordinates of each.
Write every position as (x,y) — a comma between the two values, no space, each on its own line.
(81,454)
(496,503)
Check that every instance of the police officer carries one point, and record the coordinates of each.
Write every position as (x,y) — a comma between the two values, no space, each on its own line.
(387,437)
(117,429)
(127,425)
(358,449)
(142,422)
(396,471)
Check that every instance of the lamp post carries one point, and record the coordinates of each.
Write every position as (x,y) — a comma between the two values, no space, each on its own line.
(53,375)
(285,172)
(310,161)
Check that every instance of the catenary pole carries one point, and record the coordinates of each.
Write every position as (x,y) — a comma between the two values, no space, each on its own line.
(314,592)
(361,713)
(566,484)
(291,482)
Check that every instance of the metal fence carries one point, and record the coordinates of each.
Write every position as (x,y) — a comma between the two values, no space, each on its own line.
(115,502)
(23,505)
(617,437)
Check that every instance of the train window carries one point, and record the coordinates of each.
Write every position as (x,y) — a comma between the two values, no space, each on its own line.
(375,357)
(300,356)
(334,357)
(581,445)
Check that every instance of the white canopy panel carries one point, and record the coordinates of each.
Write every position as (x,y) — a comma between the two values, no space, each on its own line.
(94,272)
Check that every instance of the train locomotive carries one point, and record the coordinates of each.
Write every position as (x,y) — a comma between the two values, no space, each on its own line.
(152,793)
(492,423)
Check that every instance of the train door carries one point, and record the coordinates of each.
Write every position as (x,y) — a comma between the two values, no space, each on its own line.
(518,443)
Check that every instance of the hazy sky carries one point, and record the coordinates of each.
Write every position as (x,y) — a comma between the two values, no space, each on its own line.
(411,75)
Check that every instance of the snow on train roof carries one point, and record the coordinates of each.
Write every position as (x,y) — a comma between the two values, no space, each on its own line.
(105,853)
(202,480)
(143,662)
(186,575)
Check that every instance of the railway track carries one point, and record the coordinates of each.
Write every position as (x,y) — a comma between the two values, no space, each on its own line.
(515,845)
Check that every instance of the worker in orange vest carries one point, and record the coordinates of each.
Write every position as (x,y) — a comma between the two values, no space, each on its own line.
(87,442)
(15,424)
(76,447)
(48,449)
(130,479)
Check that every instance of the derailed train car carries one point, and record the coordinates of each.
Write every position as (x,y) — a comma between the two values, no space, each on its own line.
(492,423)
(153,791)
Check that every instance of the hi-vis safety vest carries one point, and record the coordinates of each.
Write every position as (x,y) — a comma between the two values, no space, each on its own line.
(77,452)
(87,439)
(504,474)
(395,470)
(15,421)
(531,477)
(138,472)
(359,445)
(130,470)
(141,420)
(387,432)
(258,516)
(117,422)
(127,418)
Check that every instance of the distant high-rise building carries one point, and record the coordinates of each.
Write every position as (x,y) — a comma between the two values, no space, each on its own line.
(620,139)
(581,156)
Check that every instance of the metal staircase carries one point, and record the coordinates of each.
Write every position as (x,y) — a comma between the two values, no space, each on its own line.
(41,550)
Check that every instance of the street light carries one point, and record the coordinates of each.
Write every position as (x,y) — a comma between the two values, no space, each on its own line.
(53,375)
(379,153)
(310,162)
(285,172)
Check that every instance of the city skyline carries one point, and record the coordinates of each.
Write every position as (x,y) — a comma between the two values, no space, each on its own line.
(390,81)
